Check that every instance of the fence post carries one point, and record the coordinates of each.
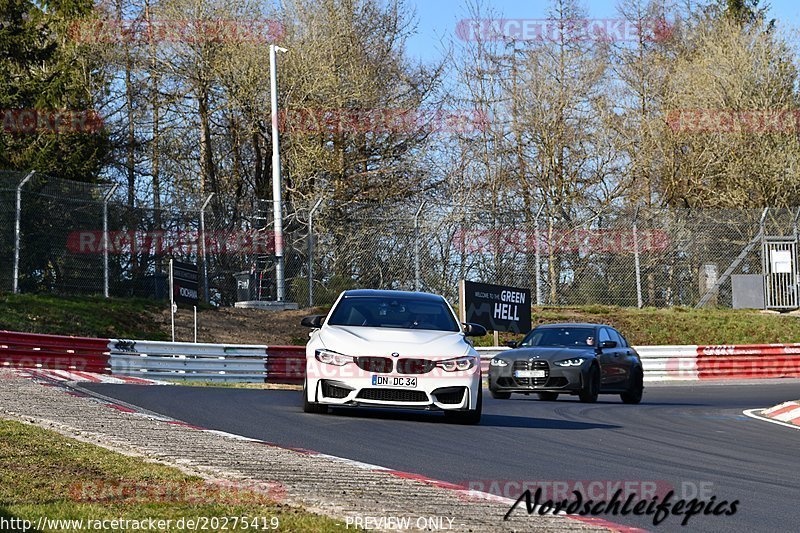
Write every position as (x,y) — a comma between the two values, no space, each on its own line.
(15,285)
(311,253)
(538,253)
(106,198)
(417,275)
(206,292)
(639,302)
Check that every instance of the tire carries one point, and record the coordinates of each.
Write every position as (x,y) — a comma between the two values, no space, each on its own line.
(471,417)
(497,395)
(548,396)
(634,393)
(591,388)
(312,407)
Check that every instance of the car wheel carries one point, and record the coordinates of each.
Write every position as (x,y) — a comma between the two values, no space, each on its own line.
(548,396)
(497,395)
(591,387)
(473,416)
(634,393)
(312,407)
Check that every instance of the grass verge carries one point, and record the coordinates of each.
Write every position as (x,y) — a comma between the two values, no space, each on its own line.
(44,474)
(676,325)
(82,316)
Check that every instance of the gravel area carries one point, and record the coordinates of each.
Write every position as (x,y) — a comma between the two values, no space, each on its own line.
(321,484)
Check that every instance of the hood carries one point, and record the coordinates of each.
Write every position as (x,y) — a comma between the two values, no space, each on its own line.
(547,353)
(365,341)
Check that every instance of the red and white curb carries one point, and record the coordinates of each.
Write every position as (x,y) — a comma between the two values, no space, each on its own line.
(786,414)
(462,492)
(74,376)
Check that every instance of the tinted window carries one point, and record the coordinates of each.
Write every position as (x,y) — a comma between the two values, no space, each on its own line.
(604,335)
(615,336)
(383,312)
(563,337)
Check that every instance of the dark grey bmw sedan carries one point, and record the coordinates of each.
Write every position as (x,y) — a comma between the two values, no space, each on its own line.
(579,359)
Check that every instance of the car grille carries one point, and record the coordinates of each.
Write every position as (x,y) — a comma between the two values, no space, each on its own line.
(330,390)
(393,395)
(452,395)
(380,365)
(531,365)
(415,366)
(552,383)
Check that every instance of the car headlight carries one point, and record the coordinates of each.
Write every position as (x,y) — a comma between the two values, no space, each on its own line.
(332,358)
(578,361)
(458,364)
(498,362)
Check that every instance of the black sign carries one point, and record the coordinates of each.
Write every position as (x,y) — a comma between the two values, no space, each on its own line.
(184,283)
(498,308)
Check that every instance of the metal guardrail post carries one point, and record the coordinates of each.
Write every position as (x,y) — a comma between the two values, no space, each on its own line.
(106,198)
(15,283)
(206,292)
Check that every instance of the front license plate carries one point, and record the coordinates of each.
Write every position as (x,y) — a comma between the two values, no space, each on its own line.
(392,381)
(530,373)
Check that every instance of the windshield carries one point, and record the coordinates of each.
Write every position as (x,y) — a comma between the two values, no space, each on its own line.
(391,312)
(566,337)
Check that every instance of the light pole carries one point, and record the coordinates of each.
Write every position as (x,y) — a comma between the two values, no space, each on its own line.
(280,276)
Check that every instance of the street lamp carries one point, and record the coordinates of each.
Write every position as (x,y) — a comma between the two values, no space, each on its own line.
(280,276)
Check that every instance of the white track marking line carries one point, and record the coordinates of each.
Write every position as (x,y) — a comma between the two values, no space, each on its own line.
(752,414)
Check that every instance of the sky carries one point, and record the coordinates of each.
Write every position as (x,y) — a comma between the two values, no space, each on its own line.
(437,19)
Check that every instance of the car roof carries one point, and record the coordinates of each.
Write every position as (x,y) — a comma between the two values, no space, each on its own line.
(572,325)
(393,294)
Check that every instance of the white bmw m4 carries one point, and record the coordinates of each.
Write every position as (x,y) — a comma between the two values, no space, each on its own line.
(393,349)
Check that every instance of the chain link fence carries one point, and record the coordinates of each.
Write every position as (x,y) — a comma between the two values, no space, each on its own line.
(655,257)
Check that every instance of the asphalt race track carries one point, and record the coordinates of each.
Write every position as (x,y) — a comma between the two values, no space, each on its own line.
(690,437)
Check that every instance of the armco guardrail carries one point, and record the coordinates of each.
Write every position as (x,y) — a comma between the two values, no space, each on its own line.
(186,360)
(666,363)
(30,350)
(748,361)
(286,364)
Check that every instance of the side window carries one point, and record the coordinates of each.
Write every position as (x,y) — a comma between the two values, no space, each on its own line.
(621,342)
(604,336)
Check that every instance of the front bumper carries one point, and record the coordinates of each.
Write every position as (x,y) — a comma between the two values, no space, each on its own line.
(435,391)
(558,379)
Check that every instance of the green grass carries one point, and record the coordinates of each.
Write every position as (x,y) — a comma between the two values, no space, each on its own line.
(82,316)
(678,325)
(43,473)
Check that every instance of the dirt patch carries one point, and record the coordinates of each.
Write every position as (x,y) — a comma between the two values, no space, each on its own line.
(240,326)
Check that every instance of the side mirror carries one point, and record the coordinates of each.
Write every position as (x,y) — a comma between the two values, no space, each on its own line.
(474,330)
(314,321)
(608,344)
(512,344)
